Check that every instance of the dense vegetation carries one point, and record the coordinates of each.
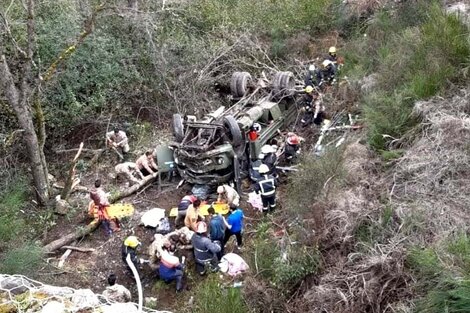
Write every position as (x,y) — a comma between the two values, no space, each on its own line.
(143,65)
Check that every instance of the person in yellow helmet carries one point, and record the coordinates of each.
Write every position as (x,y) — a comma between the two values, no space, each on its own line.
(332,55)
(129,247)
(308,100)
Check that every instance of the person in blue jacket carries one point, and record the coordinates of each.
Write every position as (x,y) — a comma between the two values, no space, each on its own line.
(234,225)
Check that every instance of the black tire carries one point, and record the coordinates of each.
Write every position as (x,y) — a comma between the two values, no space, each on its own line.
(283,84)
(234,134)
(239,84)
(178,130)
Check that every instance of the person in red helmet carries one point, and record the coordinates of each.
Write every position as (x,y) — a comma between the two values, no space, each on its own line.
(292,147)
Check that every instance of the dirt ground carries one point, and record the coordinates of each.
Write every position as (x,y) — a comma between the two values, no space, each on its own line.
(90,270)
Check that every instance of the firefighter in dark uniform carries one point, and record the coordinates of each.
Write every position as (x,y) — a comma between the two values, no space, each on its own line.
(313,76)
(266,186)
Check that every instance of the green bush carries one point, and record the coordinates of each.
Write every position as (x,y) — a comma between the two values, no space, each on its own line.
(297,264)
(212,297)
(417,49)
(25,259)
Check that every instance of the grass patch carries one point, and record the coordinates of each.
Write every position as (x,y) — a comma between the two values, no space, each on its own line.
(425,264)
(12,200)
(306,185)
(212,297)
(25,259)
(448,297)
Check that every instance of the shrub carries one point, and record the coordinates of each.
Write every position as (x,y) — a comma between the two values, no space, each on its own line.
(291,269)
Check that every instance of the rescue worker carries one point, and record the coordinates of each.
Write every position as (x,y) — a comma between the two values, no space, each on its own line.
(319,113)
(183,206)
(269,158)
(266,186)
(100,199)
(129,247)
(116,292)
(227,194)
(234,225)
(146,164)
(332,55)
(313,77)
(308,100)
(205,251)
(128,169)
(170,268)
(118,139)
(254,169)
(254,131)
(328,73)
(292,147)
(193,215)
(216,229)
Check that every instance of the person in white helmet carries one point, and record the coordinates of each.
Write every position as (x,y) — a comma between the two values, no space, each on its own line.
(266,186)
(269,158)
(328,72)
(227,194)
(205,251)
(313,76)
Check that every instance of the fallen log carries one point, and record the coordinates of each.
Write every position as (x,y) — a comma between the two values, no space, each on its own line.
(134,188)
(77,234)
(84,250)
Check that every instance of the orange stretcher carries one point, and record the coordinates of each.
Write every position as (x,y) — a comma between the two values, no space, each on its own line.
(117,210)
(221,208)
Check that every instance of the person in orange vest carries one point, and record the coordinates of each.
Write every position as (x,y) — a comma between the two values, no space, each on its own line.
(100,200)
(171,268)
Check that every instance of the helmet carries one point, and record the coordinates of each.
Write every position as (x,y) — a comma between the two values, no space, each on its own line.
(261,156)
(263,169)
(201,227)
(332,50)
(308,89)
(257,127)
(132,241)
(311,68)
(220,189)
(293,139)
(267,149)
(326,63)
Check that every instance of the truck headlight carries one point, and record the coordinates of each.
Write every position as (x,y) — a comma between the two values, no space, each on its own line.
(220,161)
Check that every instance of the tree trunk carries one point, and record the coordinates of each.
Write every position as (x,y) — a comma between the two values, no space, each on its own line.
(77,234)
(18,99)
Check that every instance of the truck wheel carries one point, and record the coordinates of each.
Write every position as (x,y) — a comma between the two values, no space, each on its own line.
(239,84)
(178,130)
(283,84)
(234,133)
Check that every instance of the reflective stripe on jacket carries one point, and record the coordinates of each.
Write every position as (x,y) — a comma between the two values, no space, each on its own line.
(267,185)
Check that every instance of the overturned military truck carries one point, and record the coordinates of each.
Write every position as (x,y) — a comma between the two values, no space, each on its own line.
(215,149)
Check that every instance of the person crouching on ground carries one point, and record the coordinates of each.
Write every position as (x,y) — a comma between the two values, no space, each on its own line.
(227,194)
(234,225)
(129,248)
(205,251)
(146,164)
(116,292)
(170,268)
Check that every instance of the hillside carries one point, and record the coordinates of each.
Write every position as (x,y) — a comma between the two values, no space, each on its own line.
(375,220)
